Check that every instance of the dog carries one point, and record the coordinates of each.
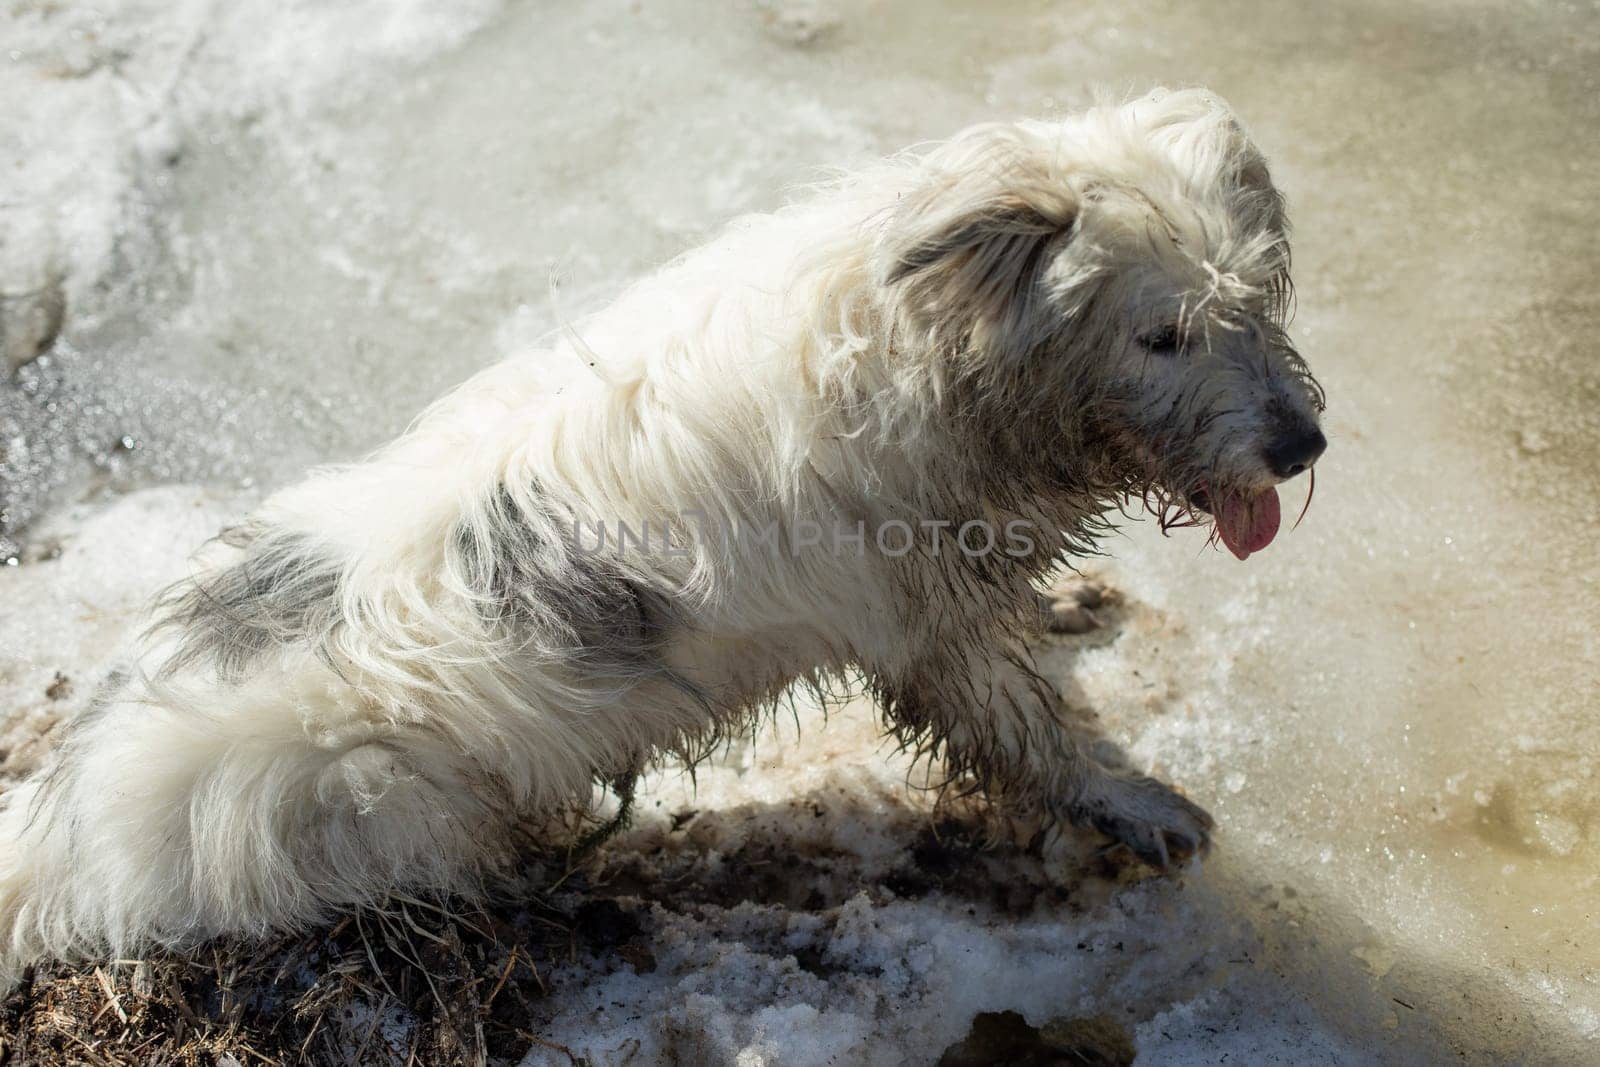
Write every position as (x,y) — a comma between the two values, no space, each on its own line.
(847,440)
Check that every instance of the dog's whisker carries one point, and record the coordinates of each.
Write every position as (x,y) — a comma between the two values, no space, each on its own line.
(1311,489)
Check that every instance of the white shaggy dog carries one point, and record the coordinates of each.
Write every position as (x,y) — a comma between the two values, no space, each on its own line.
(865,426)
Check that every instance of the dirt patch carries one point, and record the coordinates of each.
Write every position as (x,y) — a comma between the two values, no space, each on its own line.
(1005,1037)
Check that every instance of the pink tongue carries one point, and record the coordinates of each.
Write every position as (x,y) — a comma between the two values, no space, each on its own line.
(1248,524)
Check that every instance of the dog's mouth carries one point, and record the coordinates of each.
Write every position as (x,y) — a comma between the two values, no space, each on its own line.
(1245,522)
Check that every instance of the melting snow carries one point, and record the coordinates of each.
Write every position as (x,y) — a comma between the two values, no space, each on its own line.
(255,236)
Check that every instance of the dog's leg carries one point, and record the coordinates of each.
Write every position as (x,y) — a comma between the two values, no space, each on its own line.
(994,717)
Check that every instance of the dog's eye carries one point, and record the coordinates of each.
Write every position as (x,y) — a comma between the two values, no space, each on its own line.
(1163,341)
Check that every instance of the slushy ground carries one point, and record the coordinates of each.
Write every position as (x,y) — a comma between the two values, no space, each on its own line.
(253,237)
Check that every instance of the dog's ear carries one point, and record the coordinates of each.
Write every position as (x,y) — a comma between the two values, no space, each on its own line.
(939,230)
(967,248)
(1202,132)
(1256,201)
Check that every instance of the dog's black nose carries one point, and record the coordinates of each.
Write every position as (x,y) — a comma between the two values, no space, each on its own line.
(1295,451)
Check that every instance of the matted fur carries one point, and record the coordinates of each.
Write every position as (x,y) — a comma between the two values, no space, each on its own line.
(361,688)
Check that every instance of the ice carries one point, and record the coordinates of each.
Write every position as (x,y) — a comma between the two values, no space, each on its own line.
(1209,1030)
(268,233)
(874,967)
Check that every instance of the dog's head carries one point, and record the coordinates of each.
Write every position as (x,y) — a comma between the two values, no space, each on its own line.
(1111,291)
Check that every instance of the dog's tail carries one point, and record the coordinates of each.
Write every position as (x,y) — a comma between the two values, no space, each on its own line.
(162,822)
(21,945)
(97,850)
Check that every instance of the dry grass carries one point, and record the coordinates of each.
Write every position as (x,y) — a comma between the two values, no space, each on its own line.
(408,983)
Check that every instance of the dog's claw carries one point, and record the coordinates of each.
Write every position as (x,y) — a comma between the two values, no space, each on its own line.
(1148,819)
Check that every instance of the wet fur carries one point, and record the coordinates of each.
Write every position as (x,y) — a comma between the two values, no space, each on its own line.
(363,687)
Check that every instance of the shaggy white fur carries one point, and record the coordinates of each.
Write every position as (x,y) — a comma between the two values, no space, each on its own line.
(366,684)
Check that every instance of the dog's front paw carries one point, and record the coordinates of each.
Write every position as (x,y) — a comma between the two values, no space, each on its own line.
(1148,817)
(1069,607)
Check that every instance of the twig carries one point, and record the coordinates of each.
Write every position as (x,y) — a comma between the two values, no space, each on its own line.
(549,1044)
(501,984)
